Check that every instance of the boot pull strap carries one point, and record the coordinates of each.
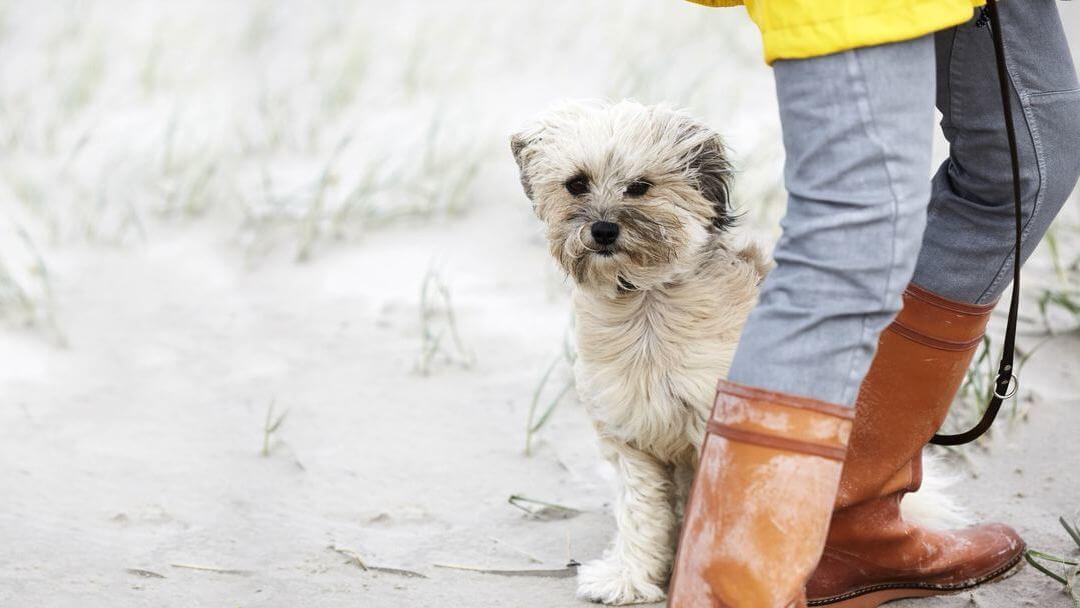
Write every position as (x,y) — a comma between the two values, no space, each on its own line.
(1007,382)
(775,442)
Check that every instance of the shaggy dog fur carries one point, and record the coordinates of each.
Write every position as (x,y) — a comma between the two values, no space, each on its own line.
(658,311)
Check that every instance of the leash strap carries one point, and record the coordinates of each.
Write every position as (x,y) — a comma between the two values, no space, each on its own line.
(1006,384)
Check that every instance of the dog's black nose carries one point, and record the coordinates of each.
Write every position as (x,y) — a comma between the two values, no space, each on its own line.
(605,233)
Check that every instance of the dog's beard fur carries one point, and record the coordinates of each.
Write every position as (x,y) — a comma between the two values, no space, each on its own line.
(651,243)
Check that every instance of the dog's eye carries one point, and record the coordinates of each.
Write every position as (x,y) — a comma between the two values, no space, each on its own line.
(638,188)
(577,186)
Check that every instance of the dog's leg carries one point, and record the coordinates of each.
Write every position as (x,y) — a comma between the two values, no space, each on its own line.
(683,476)
(636,567)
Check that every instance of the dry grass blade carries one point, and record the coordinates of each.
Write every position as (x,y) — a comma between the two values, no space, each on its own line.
(353,556)
(144,573)
(215,569)
(530,426)
(540,509)
(356,560)
(568,571)
(27,297)
(397,571)
(529,556)
(309,230)
(271,426)
(437,320)
(533,424)
(550,409)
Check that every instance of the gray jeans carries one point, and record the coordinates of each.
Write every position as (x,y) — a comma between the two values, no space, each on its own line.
(863,220)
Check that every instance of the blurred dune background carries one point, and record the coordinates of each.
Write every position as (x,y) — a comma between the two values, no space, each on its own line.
(277,327)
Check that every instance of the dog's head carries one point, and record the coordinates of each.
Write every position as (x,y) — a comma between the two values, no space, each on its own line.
(628,192)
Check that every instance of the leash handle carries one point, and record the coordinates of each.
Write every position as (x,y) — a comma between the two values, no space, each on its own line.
(1006,383)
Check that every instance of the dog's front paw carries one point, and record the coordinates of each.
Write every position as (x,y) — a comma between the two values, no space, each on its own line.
(609,582)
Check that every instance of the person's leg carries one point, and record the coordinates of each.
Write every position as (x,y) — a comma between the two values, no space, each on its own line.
(857,129)
(967,250)
(872,554)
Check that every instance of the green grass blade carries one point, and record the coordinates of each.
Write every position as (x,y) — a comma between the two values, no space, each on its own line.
(1030,556)
(1071,530)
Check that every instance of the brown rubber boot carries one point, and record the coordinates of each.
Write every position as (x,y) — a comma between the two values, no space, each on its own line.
(872,555)
(759,507)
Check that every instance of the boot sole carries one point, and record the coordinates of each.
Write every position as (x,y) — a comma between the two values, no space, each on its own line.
(876,595)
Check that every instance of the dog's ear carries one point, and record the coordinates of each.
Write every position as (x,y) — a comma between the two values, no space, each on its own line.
(711,172)
(519,146)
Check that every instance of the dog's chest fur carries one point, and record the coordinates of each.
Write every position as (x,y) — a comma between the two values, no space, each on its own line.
(649,360)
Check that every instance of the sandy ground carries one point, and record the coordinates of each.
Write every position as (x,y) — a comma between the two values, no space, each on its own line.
(138,446)
(131,437)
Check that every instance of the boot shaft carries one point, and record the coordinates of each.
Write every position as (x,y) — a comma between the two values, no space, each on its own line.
(921,361)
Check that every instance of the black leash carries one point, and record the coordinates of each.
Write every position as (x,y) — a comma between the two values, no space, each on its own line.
(1006,384)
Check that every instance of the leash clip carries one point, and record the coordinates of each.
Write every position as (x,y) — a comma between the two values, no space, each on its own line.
(1011,388)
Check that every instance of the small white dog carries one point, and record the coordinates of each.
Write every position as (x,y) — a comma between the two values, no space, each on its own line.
(635,201)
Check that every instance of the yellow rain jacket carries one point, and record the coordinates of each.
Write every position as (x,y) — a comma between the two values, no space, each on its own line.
(794,29)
